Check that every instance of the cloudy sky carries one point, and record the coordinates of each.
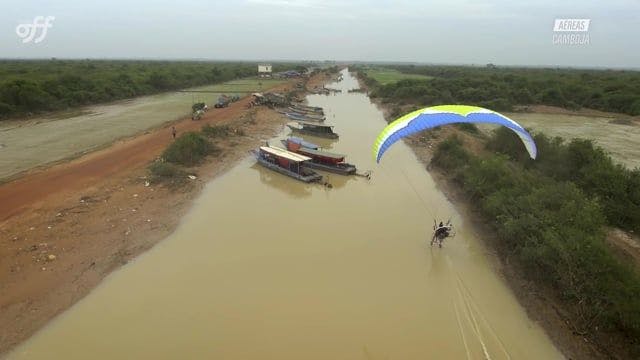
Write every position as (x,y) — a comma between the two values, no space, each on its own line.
(505,32)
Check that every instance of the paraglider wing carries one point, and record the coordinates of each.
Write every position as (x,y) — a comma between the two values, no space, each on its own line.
(435,116)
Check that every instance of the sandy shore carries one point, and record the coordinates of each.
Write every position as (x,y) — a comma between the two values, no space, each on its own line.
(64,228)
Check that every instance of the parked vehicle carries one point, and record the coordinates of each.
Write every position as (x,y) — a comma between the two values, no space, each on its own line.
(223,101)
(197,115)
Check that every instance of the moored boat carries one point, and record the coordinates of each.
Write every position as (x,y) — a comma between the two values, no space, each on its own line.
(287,163)
(297,116)
(305,108)
(300,117)
(321,160)
(310,115)
(314,129)
(299,141)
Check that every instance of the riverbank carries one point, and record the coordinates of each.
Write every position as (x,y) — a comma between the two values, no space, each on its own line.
(541,304)
(65,228)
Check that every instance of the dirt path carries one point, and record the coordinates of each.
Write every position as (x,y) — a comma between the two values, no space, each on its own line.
(625,245)
(33,189)
(64,228)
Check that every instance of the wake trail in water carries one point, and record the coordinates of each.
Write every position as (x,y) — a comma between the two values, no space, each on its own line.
(464,339)
(484,320)
(475,319)
(471,314)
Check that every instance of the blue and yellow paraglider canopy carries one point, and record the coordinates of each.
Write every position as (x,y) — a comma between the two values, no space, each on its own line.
(435,116)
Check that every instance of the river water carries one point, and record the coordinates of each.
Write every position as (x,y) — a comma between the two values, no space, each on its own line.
(264,267)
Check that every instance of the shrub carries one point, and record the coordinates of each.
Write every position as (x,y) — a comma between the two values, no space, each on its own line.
(164,172)
(468,127)
(450,154)
(588,166)
(216,131)
(188,149)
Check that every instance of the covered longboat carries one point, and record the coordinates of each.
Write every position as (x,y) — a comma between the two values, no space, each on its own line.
(287,163)
(314,129)
(320,160)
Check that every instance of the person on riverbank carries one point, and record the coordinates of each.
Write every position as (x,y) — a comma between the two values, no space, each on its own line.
(173,132)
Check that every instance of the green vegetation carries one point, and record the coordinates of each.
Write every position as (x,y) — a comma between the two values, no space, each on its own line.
(217,131)
(189,149)
(32,86)
(167,173)
(502,88)
(384,76)
(549,216)
(590,168)
(468,127)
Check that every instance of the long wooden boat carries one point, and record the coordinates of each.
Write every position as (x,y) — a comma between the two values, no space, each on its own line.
(293,108)
(314,109)
(299,117)
(299,141)
(310,115)
(286,163)
(321,160)
(314,129)
(306,112)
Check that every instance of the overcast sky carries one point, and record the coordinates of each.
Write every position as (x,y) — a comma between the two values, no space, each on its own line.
(505,32)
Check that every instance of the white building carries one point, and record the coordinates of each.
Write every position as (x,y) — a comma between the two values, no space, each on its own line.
(264,70)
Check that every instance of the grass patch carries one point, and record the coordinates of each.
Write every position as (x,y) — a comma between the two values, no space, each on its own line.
(217,131)
(387,76)
(221,131)
(244,86)
(167,173)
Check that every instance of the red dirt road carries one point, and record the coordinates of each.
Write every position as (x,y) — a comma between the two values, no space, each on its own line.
(32,189)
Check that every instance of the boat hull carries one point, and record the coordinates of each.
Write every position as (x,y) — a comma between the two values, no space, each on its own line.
(342,168)
(317,111)
(303,118)
(313,133)
(306,112)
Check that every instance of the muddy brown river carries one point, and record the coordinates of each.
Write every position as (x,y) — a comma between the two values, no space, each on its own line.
(265,267)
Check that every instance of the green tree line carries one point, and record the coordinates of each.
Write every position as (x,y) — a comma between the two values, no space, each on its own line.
(589,167)
(550,216)
(503,88)
(32,86)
